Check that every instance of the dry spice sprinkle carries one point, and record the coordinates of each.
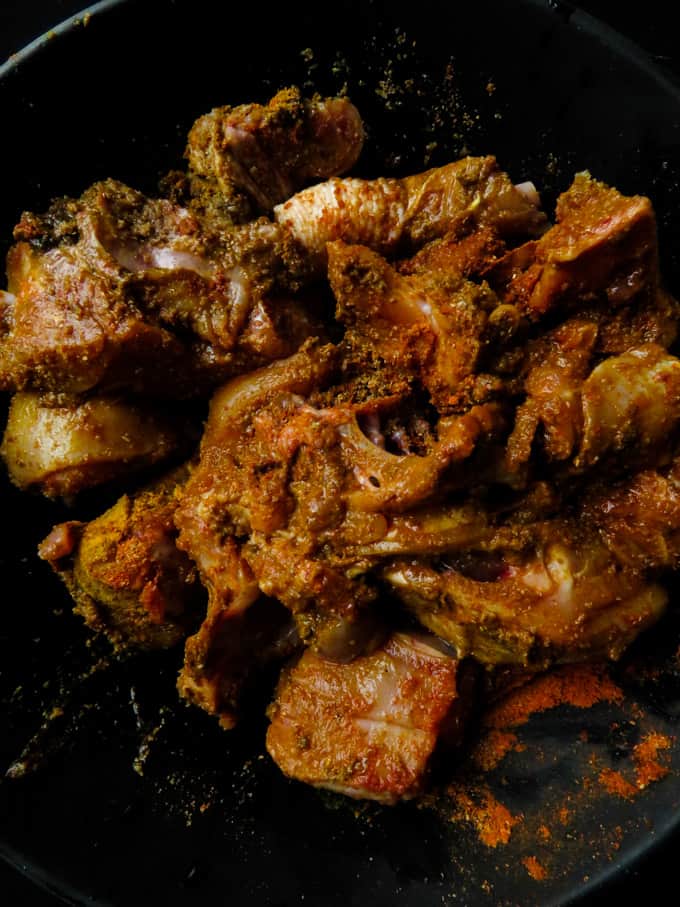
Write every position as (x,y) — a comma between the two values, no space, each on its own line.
(645,756)
(534,868)
(578,685)
(492,820)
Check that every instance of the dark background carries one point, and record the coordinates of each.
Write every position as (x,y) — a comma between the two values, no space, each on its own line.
(650,26)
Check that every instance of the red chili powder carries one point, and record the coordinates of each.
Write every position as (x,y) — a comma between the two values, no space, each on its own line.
(493,821)
(564,815)
(492,748)
(614,783)
(534,868)
(647,766)
(579,685)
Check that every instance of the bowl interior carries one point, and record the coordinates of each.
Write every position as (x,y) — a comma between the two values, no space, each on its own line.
(206,814)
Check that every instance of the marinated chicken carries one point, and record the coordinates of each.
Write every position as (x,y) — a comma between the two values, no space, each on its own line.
(389,215)
(443,435)
(116,292)
(124,571)
(367,729)
(245,160)
(64,446)
(602,245)
(568,598)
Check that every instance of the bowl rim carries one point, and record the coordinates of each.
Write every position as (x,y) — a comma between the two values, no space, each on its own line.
(568,11)
(80,19)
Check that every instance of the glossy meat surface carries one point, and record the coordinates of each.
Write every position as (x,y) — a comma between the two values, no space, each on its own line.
(367,729)
(62,447)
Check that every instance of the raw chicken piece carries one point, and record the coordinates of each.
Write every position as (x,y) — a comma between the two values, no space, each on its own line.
(231,651)
(63,447)
(632,400)
(300,486)
(115,290)
(628,402)
(430,324)
(256,156)
(124,571)
(603,247)
(390,215)
(584,588)
(571,602)
(368,729)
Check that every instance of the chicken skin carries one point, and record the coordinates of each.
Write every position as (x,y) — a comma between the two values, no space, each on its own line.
(389,215)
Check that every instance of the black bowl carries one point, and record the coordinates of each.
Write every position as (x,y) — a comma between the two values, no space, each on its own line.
(206,817)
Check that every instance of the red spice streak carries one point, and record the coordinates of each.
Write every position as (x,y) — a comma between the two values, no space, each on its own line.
(647,767)
(493,821)
(534,868)
(578,685)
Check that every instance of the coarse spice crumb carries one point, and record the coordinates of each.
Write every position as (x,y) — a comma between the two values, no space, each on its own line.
(492,820)
(615,783)
(577,685)
(492,748)
(645,755)
(534,868)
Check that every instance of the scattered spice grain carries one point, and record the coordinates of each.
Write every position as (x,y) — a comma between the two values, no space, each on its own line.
(578,685)
(534,868)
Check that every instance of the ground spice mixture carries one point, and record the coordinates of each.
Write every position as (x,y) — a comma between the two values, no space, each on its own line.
(615,783)
(648,768)
(534,868)
(473,801)
(492,820)
(578,685)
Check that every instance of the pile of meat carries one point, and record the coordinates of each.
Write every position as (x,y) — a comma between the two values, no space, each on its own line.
(442,441)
